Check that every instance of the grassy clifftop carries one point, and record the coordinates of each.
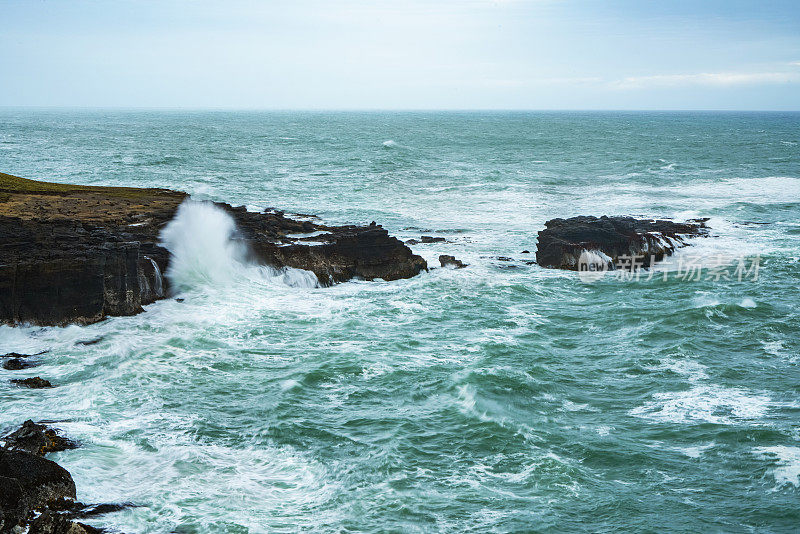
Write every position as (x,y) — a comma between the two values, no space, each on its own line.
(32,199)
(14,184)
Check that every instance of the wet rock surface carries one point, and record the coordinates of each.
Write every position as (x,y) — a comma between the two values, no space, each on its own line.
(37,439)
(563,240)
(451,261)
(14,361)
(76,254)
(27,483)
(36,494)
(54,523)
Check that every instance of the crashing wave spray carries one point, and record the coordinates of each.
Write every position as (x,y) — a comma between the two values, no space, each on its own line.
(201,240)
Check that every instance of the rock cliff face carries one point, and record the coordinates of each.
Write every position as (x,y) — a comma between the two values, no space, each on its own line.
(76,254)
(563,240)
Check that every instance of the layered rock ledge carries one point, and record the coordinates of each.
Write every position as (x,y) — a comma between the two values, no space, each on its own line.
(76,254)
(609,239)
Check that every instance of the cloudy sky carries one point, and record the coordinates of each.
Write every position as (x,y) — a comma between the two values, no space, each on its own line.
(375,54)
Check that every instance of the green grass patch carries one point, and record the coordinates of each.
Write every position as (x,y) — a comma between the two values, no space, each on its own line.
(14,184)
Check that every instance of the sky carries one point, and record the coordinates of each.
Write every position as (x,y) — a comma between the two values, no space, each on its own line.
(376,54)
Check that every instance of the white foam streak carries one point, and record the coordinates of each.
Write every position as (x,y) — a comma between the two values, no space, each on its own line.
(158,279)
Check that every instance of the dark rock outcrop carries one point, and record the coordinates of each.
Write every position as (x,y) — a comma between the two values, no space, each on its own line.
(80,510)
(29,482)
(71,254)
(451,261)
(50,522)
(35,382)
(15,361)
(334,253)
(563,241)
(37,495)
(76,254)
(37,439)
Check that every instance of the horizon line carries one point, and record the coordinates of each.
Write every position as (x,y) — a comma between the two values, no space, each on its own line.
(384,110)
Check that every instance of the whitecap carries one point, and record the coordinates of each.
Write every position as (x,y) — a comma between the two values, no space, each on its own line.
(706,403)
(696,451)
(748,303)
(289,384)
(786,461)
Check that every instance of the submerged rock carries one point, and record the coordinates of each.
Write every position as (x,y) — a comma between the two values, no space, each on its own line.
(451,261)
(426,239)
(76,254)
(79,510)
(37,439)
(35,382)
(16,364)
(93,341)
(16,361)
(608,239)
(18,355)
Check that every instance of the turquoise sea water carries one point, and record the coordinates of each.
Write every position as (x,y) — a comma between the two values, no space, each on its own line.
(501,397)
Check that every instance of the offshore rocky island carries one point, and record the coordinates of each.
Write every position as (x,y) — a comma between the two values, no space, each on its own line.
(77,254)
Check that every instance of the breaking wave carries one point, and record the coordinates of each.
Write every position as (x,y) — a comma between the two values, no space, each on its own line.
(205,248)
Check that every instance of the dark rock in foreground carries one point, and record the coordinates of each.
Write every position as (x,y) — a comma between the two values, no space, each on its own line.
(53,523)
(563,241)
(37,496)
(29,482)
(37,439)
(76,254)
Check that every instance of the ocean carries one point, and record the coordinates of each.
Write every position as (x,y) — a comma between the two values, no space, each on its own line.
(503,397)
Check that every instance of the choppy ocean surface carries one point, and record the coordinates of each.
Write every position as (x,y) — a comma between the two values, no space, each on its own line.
(501,397)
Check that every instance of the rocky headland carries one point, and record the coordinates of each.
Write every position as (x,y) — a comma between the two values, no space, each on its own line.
(77,254)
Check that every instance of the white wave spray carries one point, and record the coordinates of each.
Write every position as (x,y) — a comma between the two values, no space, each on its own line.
(157,278)
(202,241)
